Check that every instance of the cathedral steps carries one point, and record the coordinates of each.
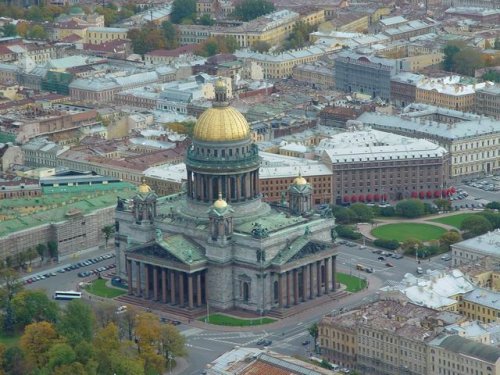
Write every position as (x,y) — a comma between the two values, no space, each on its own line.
(181,313)
(296,309)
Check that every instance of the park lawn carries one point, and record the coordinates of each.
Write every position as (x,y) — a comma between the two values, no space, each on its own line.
(453,220)
(9,340)
(226,320)
(98,287)
(353,284)
(403,231)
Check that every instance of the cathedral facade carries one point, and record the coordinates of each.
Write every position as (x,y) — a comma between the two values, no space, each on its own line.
(218,243)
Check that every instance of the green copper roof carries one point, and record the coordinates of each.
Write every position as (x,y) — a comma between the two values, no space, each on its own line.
(292,249)
(272,222)
(182,248)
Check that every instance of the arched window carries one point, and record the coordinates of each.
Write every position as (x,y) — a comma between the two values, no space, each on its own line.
(246,292)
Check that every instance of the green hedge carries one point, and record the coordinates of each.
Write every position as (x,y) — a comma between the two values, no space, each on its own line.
(386,244)
(345,231)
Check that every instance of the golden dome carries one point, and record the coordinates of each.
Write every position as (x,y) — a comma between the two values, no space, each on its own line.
(220,84)
(144,188)
(220,203)
(300,181)
(221,124)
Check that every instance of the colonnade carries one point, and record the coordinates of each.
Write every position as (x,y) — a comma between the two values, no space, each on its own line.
(181,288)
(234,188)
(307,282)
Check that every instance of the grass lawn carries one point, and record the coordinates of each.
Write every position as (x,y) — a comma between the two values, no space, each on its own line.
(9,340)
(99,288)
(453,220)
(353,284)
(403,231)
(226,320)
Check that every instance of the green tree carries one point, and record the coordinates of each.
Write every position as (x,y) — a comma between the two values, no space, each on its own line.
(491,75)
(450,50)
(9,29)
(60,354)
(410,208)
(219,44)
(14,362)
(343,215)
(170,35)
(248,10)
(108,231)
(172,343)
(492,217)
(31,306)
(475,225)
(206,20)
(183,10)
(449,238)
(31,255)
(314,333)
(9,287)
(493,205)
(442,204)
(261,46)
(106,345)
(363,213)
(497,43)
(37,32)
(411,245)
(53,249)
(467,60)
(41,249)
(299,36)
(77,322)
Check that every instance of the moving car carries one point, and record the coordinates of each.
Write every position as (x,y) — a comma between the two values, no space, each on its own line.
(381,258)
(446,257)
(398,256)
(389,264)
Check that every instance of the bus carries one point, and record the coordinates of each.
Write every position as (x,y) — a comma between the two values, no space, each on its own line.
(67,295)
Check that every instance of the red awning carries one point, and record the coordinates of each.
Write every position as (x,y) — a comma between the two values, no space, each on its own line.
(429,194)
(414,194)
(453,190)
(369,197)
(354,199)
(376,197)
(421,195)
(437,194)
(347,198)
(361,197)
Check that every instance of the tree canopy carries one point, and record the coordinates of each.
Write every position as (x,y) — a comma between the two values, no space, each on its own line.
(461,59)
(248,10)
(410,208)
(183,11)
(475,225)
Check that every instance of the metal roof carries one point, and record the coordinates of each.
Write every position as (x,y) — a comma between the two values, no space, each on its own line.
(471,348)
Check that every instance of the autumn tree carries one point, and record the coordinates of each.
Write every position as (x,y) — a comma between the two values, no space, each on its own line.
(449,238)
(106,345)
(170,35)
(36,342)
(148,338)
(127,322)
(22,28)
(218,44)
(146,39)
(77,322)
(59,355)
(411,245)
(261,46)
(172,343)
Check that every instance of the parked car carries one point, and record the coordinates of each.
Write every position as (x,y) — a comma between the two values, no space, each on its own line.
(264,342)
(306,342)
(381,258)
(398,256)
(389,264)
(446,257)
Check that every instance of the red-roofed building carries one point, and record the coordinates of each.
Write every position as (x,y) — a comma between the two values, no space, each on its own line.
(116,48)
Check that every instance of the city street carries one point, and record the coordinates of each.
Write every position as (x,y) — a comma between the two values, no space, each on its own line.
(289,336)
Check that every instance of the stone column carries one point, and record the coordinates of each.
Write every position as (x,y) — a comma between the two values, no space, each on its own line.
(327,275)
(219,185)
(311,281)
(304,283)
(129,277)
(146,281)
(198,289)
(238,188)
(206,287)
(247,186)
(288,287)
(190,291)
(210,189)
(138,281)
(280,290)
(172,287)
(318,278)
(155,283)
(334,273)
(181,288)
(164,285)
(295,286)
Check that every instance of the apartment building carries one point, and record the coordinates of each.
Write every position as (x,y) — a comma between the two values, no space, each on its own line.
(481,304)
(449,92)
(471,140)
(371,166)
(404,88)
(100,35)
(488,101)
(474,249)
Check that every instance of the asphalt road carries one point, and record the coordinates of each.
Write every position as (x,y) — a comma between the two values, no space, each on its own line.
(289,336)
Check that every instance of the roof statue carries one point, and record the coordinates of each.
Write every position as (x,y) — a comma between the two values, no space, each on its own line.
(143,187)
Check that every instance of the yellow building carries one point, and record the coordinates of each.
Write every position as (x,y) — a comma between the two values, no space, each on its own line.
(337,338)
(100,35)
(449,92)
(481,304)
(65,29)
(458,355)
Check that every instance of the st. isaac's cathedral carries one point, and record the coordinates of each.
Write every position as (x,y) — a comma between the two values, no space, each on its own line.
(218,242)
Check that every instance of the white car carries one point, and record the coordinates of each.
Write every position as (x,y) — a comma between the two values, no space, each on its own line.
(121,309)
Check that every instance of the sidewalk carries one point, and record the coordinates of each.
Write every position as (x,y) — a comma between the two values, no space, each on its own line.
(181,365)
